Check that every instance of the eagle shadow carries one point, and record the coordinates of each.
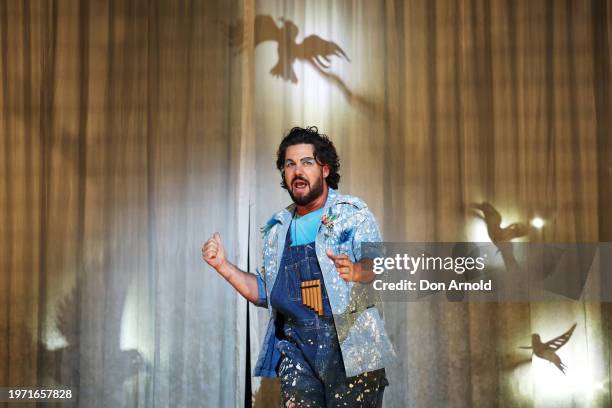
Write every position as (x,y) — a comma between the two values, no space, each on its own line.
(63,365)
(313,50)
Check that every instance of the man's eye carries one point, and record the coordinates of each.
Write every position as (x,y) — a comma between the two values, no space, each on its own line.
(308,162)
(288,165)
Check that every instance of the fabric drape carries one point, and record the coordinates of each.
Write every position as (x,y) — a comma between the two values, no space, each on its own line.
(123,149)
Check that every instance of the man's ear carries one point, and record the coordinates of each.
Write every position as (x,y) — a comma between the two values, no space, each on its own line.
(325,171)
(284,178)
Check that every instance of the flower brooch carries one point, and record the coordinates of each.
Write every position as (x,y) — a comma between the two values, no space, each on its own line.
(328,221)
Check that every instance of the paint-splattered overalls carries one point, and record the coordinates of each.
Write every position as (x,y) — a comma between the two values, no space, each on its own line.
(311,368)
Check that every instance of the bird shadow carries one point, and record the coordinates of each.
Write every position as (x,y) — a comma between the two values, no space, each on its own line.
(62,365)
(547,350)
(314,50)
(500,236)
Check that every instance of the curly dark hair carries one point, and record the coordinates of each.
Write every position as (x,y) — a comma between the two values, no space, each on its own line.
(324,152)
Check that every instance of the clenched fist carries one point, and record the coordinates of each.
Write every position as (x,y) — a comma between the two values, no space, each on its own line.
(213,252)
(245,283)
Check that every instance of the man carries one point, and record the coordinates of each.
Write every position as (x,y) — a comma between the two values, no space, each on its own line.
(326,338)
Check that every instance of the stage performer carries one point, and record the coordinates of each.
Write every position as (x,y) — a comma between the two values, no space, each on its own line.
(326,338)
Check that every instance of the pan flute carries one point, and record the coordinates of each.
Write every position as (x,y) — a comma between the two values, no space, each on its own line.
(311,295)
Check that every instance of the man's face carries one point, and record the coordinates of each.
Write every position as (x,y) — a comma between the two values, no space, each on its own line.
(304,177)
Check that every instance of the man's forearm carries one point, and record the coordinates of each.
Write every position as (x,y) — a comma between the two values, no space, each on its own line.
(245,283)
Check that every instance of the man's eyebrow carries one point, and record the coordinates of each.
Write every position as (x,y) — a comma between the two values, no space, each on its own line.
(301,158)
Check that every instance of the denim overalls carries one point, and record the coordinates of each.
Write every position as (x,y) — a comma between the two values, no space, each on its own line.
(311,368)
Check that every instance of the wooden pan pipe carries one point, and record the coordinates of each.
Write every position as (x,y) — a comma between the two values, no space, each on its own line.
(312,295)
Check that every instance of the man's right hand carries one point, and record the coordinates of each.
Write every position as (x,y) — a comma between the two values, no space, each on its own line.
(213,252)
(245,283)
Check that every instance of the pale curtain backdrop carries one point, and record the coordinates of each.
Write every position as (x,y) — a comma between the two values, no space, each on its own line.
(123,136)
(132,130)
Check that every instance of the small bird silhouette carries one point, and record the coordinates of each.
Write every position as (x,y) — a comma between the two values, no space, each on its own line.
(501,237)
(313,49)
(547,350)
(493,219)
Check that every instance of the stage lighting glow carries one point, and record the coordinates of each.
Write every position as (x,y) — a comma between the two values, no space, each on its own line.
(551,384)
(537,222)
(478,231)
(133,324)
(53,339)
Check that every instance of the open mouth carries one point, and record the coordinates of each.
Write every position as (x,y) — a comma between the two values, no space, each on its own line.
(300,186)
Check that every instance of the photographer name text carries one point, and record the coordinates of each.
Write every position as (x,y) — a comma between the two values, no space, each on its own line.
(426,285)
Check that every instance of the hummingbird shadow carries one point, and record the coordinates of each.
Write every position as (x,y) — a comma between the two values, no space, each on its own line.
(500,236)
(547,351)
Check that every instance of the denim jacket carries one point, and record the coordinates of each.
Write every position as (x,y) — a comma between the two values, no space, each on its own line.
(358,316)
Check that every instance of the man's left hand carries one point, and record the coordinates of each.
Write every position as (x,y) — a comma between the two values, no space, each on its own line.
(349,271)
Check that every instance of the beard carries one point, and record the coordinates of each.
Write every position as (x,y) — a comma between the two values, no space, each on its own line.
(316,190)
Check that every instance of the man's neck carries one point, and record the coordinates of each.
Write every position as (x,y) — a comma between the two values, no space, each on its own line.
(314,205)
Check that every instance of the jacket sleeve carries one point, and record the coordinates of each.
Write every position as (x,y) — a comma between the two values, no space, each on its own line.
(262,298)
(367,231)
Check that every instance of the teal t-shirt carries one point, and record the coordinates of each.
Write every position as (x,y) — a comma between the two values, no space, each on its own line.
(304,228)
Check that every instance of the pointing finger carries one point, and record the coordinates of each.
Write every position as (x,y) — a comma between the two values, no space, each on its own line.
(334,257)
(345,277)
(342,262)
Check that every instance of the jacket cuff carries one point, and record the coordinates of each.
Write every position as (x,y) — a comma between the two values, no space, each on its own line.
(262,298)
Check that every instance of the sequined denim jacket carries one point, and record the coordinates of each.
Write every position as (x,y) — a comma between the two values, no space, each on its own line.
(358,315)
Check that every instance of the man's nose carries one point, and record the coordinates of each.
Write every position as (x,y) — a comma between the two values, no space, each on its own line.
(299,170)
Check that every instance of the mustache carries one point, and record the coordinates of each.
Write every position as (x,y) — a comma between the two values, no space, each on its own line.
(297,178)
